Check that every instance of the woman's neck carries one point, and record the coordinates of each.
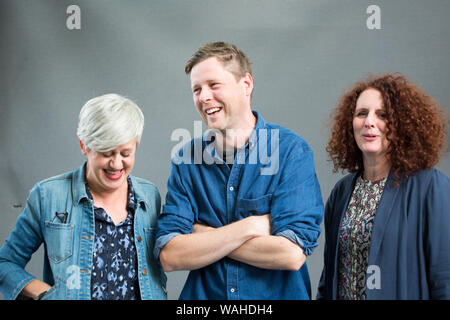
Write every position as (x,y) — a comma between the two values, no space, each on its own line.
(108,197)
(376,168)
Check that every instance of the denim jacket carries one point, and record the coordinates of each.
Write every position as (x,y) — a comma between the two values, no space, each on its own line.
(68,246)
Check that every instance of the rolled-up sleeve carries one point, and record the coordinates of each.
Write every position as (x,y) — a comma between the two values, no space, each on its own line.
(297,206)
(177,216)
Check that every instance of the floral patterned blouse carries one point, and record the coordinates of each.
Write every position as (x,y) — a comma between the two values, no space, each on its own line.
(114,275)
(354,238)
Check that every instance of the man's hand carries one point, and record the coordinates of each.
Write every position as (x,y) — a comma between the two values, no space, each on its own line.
(261,224)
(197,228)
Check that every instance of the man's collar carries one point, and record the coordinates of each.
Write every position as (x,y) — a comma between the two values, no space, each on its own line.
(260,124)
(209,138)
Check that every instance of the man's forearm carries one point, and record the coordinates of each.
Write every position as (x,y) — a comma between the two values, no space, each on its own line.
(267,252)
(197,250)
(270,252)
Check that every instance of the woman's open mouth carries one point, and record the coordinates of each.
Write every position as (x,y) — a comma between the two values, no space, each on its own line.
(369,137)
(113,175)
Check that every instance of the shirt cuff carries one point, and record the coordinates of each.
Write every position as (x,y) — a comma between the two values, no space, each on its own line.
(18,289)
(162,241)
(289,234)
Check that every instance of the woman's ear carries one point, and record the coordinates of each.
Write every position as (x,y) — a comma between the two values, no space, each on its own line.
(82,147)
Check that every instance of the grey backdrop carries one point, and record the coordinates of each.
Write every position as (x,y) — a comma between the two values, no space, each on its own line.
(305,53)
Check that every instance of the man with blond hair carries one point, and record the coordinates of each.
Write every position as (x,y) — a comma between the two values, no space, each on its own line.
(244,222)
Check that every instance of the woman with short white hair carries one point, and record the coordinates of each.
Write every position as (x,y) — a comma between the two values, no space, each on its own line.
(96,222)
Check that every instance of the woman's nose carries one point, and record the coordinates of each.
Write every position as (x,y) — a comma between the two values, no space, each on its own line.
(116,162)
(370,121)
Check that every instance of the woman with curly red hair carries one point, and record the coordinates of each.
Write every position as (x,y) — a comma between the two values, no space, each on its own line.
(387,222)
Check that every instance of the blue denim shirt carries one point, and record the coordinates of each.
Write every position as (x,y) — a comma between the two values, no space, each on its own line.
(69,246)
(273,173)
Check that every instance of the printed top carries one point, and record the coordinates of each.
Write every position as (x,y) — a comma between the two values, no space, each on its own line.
(114,269)
(354,238)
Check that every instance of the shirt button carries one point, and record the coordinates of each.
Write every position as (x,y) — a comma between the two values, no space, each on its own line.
(232,290)
(139,239)
(144,272)
(231,188)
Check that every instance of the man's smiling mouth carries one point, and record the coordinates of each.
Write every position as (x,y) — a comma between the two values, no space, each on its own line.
(213,110)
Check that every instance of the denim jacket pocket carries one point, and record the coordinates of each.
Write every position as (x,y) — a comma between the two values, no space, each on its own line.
(252,207)
(58,238)
(50,293)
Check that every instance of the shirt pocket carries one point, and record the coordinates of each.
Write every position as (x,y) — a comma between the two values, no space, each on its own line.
(251,207)
(58,239)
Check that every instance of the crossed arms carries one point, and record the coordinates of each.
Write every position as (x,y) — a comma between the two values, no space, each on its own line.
(247,240)
(280,239)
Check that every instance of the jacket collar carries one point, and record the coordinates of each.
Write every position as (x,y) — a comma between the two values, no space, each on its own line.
(79,190)
(382,216)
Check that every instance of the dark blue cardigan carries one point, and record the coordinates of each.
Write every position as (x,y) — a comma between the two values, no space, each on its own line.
(409,255)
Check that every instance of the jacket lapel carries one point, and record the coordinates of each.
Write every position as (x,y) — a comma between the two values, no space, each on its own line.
(382,215)
(336,227)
